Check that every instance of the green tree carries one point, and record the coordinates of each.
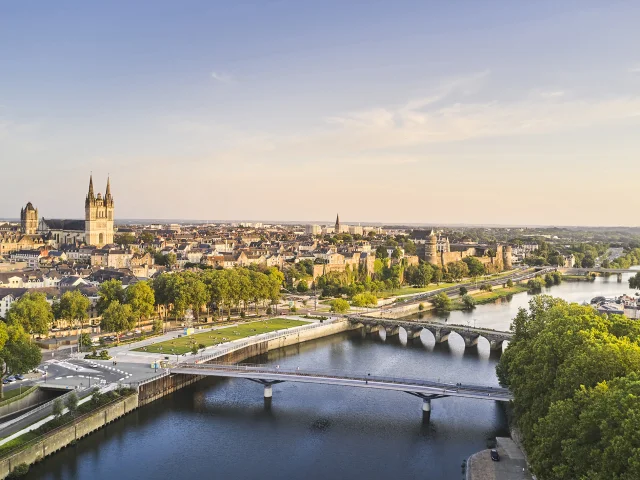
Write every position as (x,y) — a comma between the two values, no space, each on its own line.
(58,407)
(110,291)
(18,353)
(381,252)
(463,291)
(32,312)
(441,302)
(146,237)
(124,238)
(118,318)
(84,340)
(302,286)
(141,298)
(475,266)
(634,282)
(397,253)
(510,283)
(365,299)
(458,270)
(469,302)
(74,307)
(71,402)
(340,305)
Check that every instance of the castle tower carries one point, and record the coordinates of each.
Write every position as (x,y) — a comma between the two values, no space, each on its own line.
(29,219)
(431,249)
(337,227)
(507,257)
(98,217)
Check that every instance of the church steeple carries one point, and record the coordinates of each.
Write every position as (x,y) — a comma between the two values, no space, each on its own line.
(337,228)
(90,196)
(107,193)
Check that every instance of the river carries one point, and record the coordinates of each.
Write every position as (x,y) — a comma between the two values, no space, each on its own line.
(222,429)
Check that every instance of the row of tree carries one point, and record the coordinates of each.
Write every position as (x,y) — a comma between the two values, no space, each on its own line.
(574,377)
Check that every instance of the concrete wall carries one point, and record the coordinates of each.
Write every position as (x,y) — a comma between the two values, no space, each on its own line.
(65,435)
(29,401)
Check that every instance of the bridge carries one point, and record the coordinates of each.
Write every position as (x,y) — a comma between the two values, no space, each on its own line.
(270,375)
(440,331)
(614,271)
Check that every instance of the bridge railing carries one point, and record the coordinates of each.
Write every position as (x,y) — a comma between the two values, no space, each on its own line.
(284,372)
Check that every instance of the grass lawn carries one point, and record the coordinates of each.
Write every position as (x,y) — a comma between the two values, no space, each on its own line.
(215,337)
(489,297)
(16,442)
(7,394)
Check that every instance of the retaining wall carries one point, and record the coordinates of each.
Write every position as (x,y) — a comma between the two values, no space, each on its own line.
(63,436)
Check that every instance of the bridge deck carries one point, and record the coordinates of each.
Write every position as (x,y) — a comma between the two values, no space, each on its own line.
(413,385)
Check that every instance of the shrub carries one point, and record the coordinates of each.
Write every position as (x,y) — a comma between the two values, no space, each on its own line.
(19,470)
(442,302)
(463,291)
(71,402)
(510,283)
(58,407)
(105,354)
(469,302)
(421,307)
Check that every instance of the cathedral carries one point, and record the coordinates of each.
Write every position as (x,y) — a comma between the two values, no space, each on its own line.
(96,229)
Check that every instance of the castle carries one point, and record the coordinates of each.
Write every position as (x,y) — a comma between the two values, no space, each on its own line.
(440,253)
(96,229)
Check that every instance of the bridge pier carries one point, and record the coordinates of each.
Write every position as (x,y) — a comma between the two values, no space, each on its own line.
(441,335)
(268,392)
(392,331)
(471,341)
(426,410)
(413,333)
(371,328)
(496,346)
(619,278)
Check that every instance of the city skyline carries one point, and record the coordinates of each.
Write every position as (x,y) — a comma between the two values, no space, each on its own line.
(509,115)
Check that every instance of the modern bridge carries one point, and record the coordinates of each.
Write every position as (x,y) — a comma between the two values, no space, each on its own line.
(440,331)
(270,375)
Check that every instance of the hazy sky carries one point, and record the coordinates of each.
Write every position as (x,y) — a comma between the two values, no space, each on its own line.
(394,111)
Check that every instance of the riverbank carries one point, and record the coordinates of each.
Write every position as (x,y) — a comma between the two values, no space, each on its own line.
(40,446)
(482,297)
(512,464)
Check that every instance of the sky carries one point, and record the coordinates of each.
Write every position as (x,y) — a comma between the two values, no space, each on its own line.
(494,112)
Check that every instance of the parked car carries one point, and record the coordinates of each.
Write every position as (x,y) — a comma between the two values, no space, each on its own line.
(19,377)
(495,456)
(11,378)
(5,381)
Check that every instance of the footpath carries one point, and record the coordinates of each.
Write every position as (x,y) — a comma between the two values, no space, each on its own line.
(512,464)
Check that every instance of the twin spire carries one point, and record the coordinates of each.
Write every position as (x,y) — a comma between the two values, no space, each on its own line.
(91,197)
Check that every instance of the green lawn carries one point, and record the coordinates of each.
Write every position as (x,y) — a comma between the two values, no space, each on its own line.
(7,394)
(215,337)
(488,297)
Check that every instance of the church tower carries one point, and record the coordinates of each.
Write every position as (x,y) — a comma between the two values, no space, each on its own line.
(29,219)
(98,217)
(337,228)
(431,250)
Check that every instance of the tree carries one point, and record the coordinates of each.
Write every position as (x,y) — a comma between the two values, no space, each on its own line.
(302,286)
(475,266)
(340,305)
(469,302)
(18,353)
(458,270)
(463,291)
(510,283)
(32,312)
(58,407)
(84,340)
(74,307)
(365,299)
(118,318)
(634,282)
(110,291)
(397,253)
(381,252)
(71,402)
(442,302)
(141,298)
(146,237)
(124,238)
(573,375)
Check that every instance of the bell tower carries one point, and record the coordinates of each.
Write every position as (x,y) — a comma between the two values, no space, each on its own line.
(29,219)
(98,216)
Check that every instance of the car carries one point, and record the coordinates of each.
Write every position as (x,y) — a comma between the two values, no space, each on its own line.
(11,378)
(19,377)
(5,381)
(495,456)
(93,365)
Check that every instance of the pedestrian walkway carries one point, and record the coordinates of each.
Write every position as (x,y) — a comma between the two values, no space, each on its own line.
(512,464)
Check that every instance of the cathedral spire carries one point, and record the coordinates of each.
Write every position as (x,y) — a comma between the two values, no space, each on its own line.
(107,193)
(90,196)
(337,228)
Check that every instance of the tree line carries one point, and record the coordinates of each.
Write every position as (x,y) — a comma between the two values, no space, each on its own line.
(574,377)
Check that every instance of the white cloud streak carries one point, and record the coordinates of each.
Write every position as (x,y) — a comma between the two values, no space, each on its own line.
(222,77)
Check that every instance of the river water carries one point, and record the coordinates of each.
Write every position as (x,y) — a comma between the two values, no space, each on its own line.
(222,429)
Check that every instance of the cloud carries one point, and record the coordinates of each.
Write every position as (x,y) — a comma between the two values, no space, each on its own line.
(552,94)
(635,69)
(222,77)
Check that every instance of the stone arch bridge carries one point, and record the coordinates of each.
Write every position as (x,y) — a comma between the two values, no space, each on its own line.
(440,331)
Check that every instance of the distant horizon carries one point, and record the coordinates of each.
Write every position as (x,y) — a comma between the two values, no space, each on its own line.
(164,221)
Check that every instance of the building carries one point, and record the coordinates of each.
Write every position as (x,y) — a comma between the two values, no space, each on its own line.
(96,229)
(313,229)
